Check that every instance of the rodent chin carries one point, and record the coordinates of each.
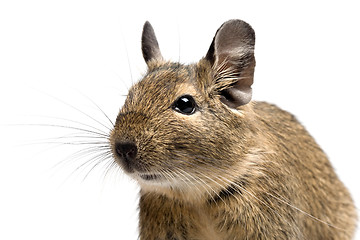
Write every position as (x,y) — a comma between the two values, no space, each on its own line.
(159,184)
(150,177)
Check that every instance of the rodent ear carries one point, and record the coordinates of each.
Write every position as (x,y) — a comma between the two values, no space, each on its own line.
(231,55)
(149,44)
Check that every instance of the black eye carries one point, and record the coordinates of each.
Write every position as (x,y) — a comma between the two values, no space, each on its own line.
(185,105)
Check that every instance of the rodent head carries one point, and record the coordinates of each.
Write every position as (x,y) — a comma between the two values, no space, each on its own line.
(182,123)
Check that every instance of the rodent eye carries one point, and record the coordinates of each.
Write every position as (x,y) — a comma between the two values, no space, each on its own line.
(185,105)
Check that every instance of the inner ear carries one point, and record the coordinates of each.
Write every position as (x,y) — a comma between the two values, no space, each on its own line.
(234,98)
(231,55)
(149,44)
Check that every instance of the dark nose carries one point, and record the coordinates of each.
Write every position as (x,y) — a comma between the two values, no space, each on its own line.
(126,151)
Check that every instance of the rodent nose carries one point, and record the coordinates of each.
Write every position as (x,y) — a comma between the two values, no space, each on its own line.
(126,151)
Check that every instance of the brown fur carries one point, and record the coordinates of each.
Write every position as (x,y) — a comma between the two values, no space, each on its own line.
(250,172)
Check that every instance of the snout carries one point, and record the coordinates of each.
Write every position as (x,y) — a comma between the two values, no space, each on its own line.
(126,152)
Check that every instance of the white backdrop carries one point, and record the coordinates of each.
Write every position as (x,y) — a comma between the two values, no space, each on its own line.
(307,63)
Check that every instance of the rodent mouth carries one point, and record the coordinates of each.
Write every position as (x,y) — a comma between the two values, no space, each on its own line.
(150,177)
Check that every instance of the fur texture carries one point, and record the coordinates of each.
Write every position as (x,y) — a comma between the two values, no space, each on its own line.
(232,169)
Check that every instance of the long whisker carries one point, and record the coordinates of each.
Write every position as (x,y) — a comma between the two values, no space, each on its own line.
(217,194)
(83,153)
(128,59)
(184,178)
(169,176)
(79,110)
(100,160)
(93,159)
(67,143)
(204,185)
(60,126)
(303,212)
(197,180)
(100,109)
(90,161)
(229,183)
(179,43)
(76,122)
(111,166)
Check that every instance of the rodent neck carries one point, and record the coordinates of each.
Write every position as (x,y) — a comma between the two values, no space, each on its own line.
(168,216)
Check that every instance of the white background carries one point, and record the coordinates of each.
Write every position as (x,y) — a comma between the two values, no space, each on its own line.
(307,63)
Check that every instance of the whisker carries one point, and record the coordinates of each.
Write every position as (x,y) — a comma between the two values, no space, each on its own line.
(203,185)
(283,200)
(73,121)
(111,166)
(179,43)
(232,183)
(79,110)
(186,180)
(65,143)
(61,126)
(95,158)
(84,165)
(221,186)
(255,197)
(81,154)
(229,183)
(77,136)
(303,212)
(72,139)
(99,161)
(211,195)
(169,176)
(102,111)
(128,58)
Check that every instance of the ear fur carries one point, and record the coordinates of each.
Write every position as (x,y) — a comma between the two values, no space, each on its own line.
(149,44)
(231,55)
